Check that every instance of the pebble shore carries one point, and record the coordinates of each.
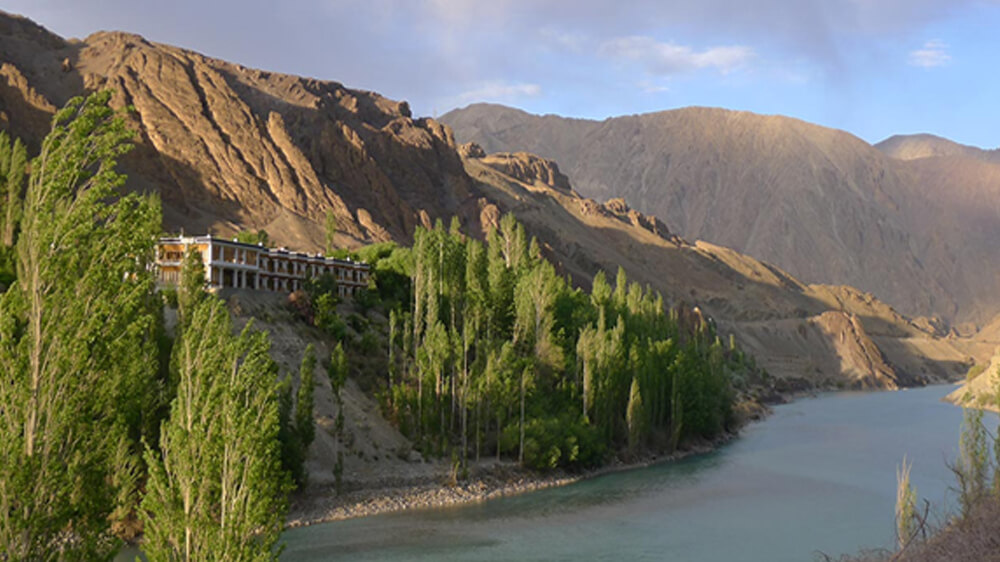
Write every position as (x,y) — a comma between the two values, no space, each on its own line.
(487,483)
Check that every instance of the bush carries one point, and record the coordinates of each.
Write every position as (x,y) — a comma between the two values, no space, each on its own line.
(326,317)
(556,442)
(369,343)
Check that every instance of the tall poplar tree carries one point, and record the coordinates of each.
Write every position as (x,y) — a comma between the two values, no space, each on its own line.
(77,343)
(216,489)
(13,163)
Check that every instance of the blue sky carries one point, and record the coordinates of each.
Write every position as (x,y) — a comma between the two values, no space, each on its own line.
(873,68)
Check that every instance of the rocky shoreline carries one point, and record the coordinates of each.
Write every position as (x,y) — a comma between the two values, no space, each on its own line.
(488,481)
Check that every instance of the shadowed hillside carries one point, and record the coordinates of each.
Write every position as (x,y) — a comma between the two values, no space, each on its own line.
(231,148)
(821,203)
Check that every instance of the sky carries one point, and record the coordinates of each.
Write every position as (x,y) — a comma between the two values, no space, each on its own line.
(871,67)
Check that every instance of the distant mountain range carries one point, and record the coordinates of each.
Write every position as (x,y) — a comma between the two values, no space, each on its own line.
(229,148)
(914,219)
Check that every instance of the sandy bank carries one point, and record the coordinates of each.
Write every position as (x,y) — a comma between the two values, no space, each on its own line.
(489,480)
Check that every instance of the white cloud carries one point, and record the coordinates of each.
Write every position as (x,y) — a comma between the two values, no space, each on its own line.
(650,87)
(934,53)
(668,58)
(496,91)
(564,40)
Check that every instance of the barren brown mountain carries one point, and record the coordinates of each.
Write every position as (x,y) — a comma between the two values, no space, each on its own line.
(821,203)
(913,147)
(804,334)
(229,148)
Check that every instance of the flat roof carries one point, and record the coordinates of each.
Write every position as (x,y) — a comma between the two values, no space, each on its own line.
(277,251)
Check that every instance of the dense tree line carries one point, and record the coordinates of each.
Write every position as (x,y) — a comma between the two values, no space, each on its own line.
(105,420)
(78,343)
(495,353)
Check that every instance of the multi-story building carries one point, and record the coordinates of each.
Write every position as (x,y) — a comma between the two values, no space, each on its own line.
(247,266)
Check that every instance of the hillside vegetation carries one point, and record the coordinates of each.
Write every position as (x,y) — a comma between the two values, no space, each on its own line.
(232,149)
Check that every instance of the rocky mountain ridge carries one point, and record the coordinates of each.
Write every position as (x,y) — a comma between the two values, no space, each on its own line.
(819,202)
(230,148)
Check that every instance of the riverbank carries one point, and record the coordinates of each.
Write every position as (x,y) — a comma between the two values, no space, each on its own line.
(488,480)
(760,492)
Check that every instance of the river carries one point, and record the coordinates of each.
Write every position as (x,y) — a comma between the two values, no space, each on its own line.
(819,475)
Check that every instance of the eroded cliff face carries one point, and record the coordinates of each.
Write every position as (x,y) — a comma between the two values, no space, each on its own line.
(231,148)
(806,336)
(913,220)
(228,147)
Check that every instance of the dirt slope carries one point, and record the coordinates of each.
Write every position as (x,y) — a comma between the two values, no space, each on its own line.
(818,202)
(807,335)
(229,147)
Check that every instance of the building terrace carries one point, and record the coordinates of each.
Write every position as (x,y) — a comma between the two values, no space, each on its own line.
(229,263)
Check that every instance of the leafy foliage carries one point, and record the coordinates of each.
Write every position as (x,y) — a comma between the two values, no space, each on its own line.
(260,237)
(298,426)
(78,343)
(216,488)
(496,352)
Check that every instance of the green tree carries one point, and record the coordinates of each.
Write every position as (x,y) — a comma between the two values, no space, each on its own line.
(78,352)
(337,374)
(191,290)
(216,489)
(972,468)
(305,422)
(298,426)
(330,227)
(635,416)
(260,237)
(13,164)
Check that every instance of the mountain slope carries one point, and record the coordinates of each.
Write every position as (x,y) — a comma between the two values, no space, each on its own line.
(805,335)
(914,147)
(819,202)
(232,148)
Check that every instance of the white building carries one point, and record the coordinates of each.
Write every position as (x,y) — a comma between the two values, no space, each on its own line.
(247,266)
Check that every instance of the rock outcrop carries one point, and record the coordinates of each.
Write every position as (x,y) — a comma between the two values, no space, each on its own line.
(230,147)
(528,168)
(826,206)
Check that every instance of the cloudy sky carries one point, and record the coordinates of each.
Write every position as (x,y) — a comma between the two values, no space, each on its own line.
(871,67)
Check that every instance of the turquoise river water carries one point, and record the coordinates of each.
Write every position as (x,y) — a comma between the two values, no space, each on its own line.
(819,475)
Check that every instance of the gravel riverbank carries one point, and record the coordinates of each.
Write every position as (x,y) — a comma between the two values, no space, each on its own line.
(488,480)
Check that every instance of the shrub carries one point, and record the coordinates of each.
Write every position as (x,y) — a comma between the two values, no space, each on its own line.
(556,442)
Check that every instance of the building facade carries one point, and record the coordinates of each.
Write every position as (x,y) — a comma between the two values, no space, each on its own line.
(247,266)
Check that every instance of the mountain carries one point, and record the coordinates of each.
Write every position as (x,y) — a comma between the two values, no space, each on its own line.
(914,147)
(805,335)
(230,148)
(818,202)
